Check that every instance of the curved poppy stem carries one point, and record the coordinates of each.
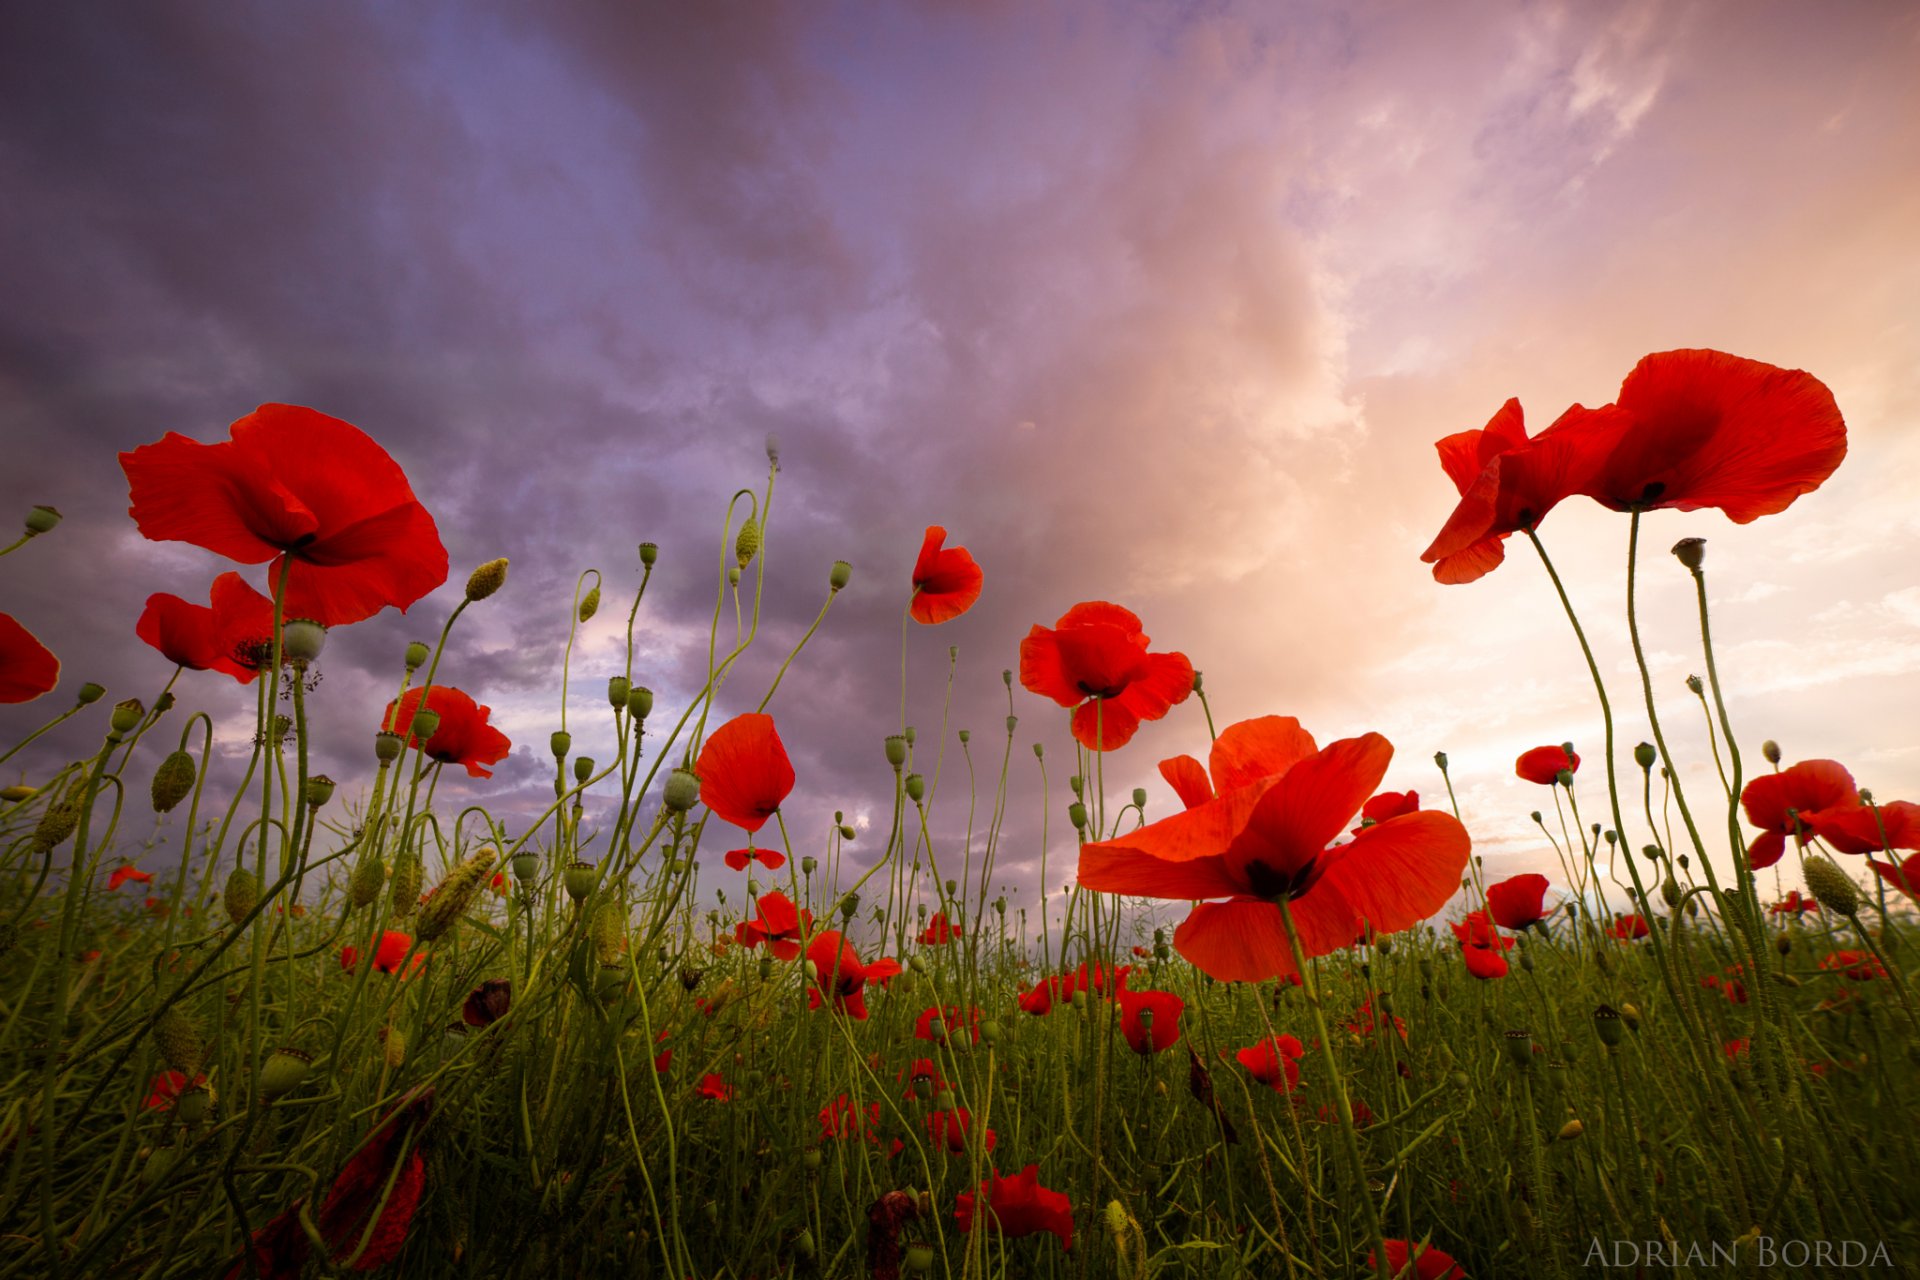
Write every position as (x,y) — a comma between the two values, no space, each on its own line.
(1351,1139)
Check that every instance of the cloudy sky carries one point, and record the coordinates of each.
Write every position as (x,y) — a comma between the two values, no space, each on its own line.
(1157,304)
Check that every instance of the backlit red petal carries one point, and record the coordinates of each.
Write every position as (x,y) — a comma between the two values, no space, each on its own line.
(744,771)
(27,667)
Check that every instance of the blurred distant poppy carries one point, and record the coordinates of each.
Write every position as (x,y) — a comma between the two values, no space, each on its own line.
(231,634)
(949,1129)
(843,1118)
(744,771)
(1543,764)
(1097,979)
(165,1089)
(951,1022)
(27,667)
(1362,1113)
(1477,931)
(1629,927)
(388,956)
(1518,901)
(714,1088)
(840,975)
(1045,994)
(1811,794)
(464,735)
(123,874)
(1018,1206)
(1483,962)
(741,859)
(1430,1265)
(945,582)
(1795,903)
(778,924)
(1095,659)
(296,482)
(1861,966)
(1274,1062)
(1160,1028)
(939,931)
(1366,1022)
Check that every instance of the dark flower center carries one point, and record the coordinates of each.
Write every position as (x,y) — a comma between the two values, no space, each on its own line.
(1267,881)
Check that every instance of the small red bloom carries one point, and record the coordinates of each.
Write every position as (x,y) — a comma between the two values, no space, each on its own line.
(949,1129)
(1274,1062)
(1483,962)
(842,1118)
(662,1061)
(1364,1021)
(1161,1029)
(1795,903)
(165,1089)
(123,874)
(1812,793)
(1430,1265)
(1361,1112)
(27,667)
(295,482)
(1543,764)
(1734,1048)
(1629,927)
(1095,659)
(231,634)
(1047,993)
(939,931)
(951,1022)
(1476,931)
(778,925)
(1707,429)
(387,957)
(744,771)
(741,859)
(1096,979)
(1861,966)
(714,1088)
(463,737)
(499,884)
(1019,1206)
(945,582)
(1518,901)
(841,976)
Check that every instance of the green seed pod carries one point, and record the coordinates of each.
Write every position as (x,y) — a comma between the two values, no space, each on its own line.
(302,639)
(990,1031)
(1832,886)
(849,905)
(617,687)
(916,788)
(809,864)
(639,701)
(811,1158)
(451,897)
(487,579)
(127,715)
(648,554)
(590,603)
(179,1040)
(582,768)
(284,1071)
(387,747)
(416,655)
(41,519)
(1519,1046)
(561,743)
(580,879)
(1607,1024)
(91,693)
(896,750)
(364,886)
(839,575)
(172,781)
(1644,755)
(319,790)
(191,1107)
(747,544)
(242,894)
(682,791)
(1077,814)
(526,865)
(408,876)
(733,575)
(847,833)
(1139,797)
(1670,892)
(426,723)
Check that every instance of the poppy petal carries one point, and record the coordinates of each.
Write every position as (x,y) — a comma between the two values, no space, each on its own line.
(216,496)
(1258,749)
(27,667)
(1311,804)
(1121,870)
(1237,941)
(1401,871)
(1102,724)
(744,771)
(1188,778)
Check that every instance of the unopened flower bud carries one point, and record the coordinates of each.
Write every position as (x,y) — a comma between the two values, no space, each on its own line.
(41,519)
(179,1040)
(1832,886)
(416,655)
(453,894)
(1771,750)
(1077,814)
(896,750)
(590,603)
(1670,892)
(561,742)
(916,788)
(319,790)
(965,737)
(302,639)
(1694,684)
(849,905)
(847,832)
(242,894)
(1440,759)
(1196,682)
(1077,785)
(364,885)
(127,715)
(747,544)
(1691,552)
(172,781)
(91,692)
(839,576)
(1564,778)
(1039,750)
(283,1072)
(682,790)
(487,579)
(733,575)
(408,875)
(639,701)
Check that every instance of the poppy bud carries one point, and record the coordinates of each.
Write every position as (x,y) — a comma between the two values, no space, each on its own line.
(386,746)
(561,742)
(733,575)
(916,788)
(1039,751)
(1644,755)
(990,1032)
(393,1047)
(179,1041)
(839,816)
(639,701)
(965,737)
(1606,1025)
(191,1107)
(808,865)
(127,715)
(918,964)
(302,639)
(1691,552)
(90,693)
(1535,815)
(242,894)
(896,750)
(812,970)
(1526,961)
(283,1072)
(487,579)
(453,893)
(648,554)
(617,691)
(747,543)
(1670,892)
(1077,785)
(1564,778)
(363,886)
(847,833)
(590,603)
(1440,759)
(579,878)
(607,930)
(1000,906)
(1079,999)
(1077,814)
(171,781)
(1695,684)
(1832,886)
(583,768)
(943,1100)
(416,655)
(407,875)
(812,1159)
(1519,1046)
(682,790)
(908,734)
(1771,750)
(1630,1014)
(919,1258)
(849,905)
(839,575)
(41,519)
(1013,722)
(1569,1131)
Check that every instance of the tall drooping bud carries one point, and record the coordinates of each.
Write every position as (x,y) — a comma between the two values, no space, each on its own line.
(181,1046)
(590,603)
(41,519)
(453,894)
(487,579)
(1832,886)
(408,875)
(242,894)
(747,544)
(172,781)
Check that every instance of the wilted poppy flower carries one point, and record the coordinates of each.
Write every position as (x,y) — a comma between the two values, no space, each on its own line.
(387,957)
(1811,794)
(463,736)
(123,874)
(231,634)
(1861,966)
(1707,429)
(1430,1265)
(1508,482)
(487,1003)
(741,859)
(1904,876)
(842,1118)
(744,771)
(1518,901)
(1274,1062)
(1160,1028)
(27,667)
(714,1088)
(949,1129)
(370,1175)
(1629,927)
(945,582)
(165,1089)
(1543,764)
(295,482)
(1483,962)
(778,924)
(1795,903)
(1266,839)
(1477,931)
(939,931)
(1095,658)
(951,1022)
(840,974)
(1019,1206)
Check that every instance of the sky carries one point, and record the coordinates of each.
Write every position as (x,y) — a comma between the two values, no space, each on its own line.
(1163,305)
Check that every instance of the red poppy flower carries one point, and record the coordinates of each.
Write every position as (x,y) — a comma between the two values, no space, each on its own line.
(1274,1062)
(123,874)
(1707,429)
(1142,953)
(939,931)
(1477,931)
(499,884)
(840,974)
(1518,902)
(714,1088)
(1430,1265)
(1795,904)
(842,1118)
(1362,1113)
(662,1061)
(1095,658)
(949,1129)
(1627,928)
(1047,993)
(231,634)
(1904,876)
(1388,804)
(1866,829)
(378,1170)
(951,1020)
(741,859)
(165,1089)
(778,924)
(1484,963)
(1096,979)
(486,1004)
(1815,791)
(27,667)
(1508,482)
(1019,1206)
(1160,1029)
(1365,1022)
(295,482)
(1861,966)
(922,1069)
(1543,764)
(744,771)
(1734,1048)
(388,956)
(945,582)
(463,737)
(1391,876)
